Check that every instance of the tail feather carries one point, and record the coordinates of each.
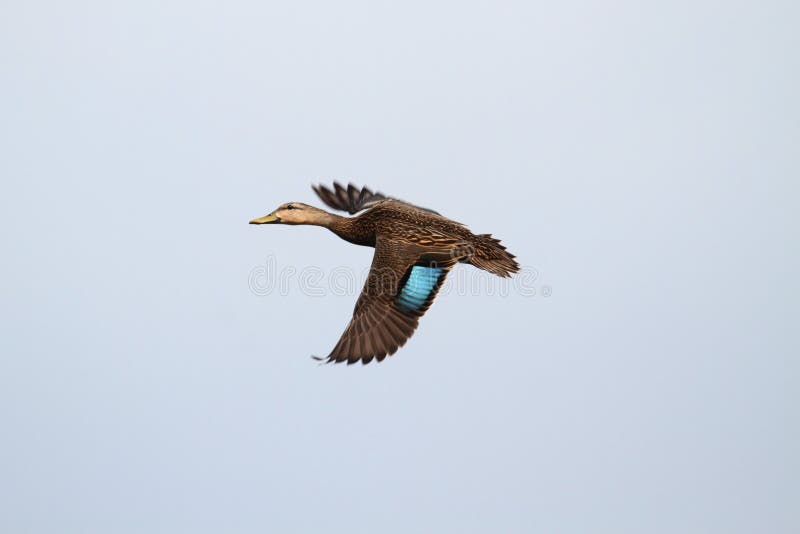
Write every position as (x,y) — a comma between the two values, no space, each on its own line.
(493,257)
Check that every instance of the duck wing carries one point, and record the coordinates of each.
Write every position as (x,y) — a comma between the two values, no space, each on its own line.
(352,199)
(349,199)
(402,283)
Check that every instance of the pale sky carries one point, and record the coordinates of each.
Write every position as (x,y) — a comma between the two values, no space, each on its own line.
(640,159)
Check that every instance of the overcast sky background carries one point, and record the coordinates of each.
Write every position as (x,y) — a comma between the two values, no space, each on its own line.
(640,159)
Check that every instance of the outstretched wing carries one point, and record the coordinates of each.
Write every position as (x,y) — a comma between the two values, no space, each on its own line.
(350,199)
(401,285)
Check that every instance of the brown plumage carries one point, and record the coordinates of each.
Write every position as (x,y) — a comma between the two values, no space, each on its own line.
(415,248)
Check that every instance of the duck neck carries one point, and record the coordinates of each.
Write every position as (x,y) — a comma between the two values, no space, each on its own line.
(345,227)
(323,218)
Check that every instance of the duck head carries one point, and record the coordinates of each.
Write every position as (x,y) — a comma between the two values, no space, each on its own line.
(294,213)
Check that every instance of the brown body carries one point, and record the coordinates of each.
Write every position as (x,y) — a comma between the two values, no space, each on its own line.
(405,237)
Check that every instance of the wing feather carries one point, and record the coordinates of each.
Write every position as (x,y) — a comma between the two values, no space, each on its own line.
(352,200)
(379,326)
(349,199)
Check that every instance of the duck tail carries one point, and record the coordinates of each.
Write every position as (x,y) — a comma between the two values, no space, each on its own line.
(493,257)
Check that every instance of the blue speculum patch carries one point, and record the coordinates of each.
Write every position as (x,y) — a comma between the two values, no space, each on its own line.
(418,287)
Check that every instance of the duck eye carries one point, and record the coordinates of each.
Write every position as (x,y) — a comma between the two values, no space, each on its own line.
(290,207)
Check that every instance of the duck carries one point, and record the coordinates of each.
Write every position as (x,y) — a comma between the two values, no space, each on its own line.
(415,249)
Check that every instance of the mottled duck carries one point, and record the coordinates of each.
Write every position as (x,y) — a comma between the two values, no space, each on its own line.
(415,248)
